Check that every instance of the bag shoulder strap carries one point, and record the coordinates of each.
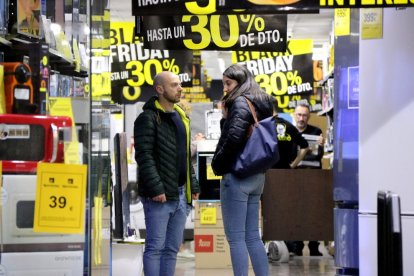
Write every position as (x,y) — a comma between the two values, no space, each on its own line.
(253,111)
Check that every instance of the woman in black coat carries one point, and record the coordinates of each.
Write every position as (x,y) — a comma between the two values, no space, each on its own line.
(240,197)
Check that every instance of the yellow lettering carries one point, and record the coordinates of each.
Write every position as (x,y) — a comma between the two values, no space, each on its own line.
(194,8)
(240,56)
(200,28)
(233,29)
(368,2)
(282,101)
(131,93)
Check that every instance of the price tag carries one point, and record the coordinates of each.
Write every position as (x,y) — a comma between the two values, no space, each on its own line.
(208,215)
(342,22)
(60,198)
(371,23)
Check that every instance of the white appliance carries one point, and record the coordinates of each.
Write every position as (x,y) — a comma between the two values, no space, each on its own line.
(17,214)
(387,133)
(24,252)
(60,263)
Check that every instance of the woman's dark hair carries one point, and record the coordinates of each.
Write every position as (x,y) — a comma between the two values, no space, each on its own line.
(245,80)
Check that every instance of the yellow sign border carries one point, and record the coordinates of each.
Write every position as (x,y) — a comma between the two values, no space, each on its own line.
(50,219)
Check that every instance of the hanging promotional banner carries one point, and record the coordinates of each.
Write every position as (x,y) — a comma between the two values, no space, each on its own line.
(133,66)
(209,7)
(293,47)
(179,7)
(288,76)
(319,4)
(216,32)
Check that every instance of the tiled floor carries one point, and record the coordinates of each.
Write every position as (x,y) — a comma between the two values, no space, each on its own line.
(293,265)
(309,266)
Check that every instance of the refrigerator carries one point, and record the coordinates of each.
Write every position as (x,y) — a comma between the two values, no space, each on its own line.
(346,152)
(386,133)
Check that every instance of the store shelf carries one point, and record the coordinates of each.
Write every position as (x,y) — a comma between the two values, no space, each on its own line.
(326,111)
(5,42)
(64,65)
(328,76)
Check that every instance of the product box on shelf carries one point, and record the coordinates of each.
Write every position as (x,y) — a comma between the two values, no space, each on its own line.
(26,140)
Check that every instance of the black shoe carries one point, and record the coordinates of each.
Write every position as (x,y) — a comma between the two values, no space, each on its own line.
(298,253)
(317,253)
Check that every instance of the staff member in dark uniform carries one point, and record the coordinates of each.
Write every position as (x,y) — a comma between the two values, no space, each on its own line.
(314,156)
(312,160)
(288,137)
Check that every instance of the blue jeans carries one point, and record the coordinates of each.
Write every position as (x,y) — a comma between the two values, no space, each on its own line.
(165,223)
(240,199)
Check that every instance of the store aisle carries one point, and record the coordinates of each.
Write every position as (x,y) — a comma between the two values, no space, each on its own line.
(309,266)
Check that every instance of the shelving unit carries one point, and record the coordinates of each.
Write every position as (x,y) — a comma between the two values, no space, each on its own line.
(327,94)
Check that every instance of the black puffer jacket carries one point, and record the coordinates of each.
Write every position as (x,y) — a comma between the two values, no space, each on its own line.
(234,131)
(156,153)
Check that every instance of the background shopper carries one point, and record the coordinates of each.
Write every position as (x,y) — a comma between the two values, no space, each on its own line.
(240,197)
(166,181)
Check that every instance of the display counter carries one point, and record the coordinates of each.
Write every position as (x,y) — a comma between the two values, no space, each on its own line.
(298,205)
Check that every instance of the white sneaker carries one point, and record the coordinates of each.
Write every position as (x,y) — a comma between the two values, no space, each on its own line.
(185,254)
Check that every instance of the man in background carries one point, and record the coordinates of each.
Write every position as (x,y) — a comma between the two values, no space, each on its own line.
(313,135)
(312,160)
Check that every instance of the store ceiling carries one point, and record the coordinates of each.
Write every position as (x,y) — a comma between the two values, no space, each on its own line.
(317,27)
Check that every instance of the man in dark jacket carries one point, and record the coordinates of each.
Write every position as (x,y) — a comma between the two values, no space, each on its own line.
(166,182)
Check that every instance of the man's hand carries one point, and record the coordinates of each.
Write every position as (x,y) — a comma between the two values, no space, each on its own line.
(321,140)
(160,198)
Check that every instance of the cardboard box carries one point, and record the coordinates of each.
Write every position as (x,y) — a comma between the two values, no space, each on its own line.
(207,214)
(210,244)
(211,248)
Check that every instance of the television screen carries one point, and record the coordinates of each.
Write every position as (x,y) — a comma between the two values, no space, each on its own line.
(120,189)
